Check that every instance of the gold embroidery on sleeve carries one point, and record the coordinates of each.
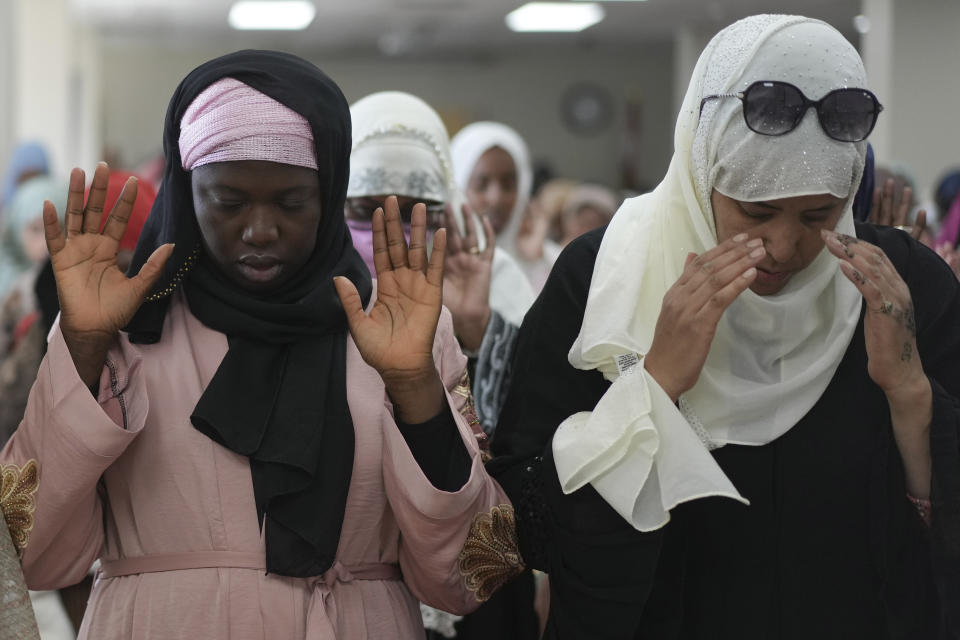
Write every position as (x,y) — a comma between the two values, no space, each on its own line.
(491,556)
(469,409)
(18,488)
(469,413)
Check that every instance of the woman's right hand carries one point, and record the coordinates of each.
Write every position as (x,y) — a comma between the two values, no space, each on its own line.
(96,298)
(692,308)
(466,277)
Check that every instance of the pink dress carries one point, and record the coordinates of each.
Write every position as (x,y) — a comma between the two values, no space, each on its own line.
(127,479)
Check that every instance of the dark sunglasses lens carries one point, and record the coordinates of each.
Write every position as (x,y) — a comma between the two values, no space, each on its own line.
(772,108)
(848,114)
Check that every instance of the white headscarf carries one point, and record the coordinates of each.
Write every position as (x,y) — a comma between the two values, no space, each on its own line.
(476,139)
(401,147)
(772,356)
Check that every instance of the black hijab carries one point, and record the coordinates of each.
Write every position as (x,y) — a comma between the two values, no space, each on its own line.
(279,395)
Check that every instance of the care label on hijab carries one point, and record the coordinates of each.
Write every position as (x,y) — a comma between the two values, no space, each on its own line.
(626,362)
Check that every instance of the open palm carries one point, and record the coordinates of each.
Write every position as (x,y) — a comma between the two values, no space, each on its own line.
(396,337)
(96,298)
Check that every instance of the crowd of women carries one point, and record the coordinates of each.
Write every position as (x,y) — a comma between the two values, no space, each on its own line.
(341,376)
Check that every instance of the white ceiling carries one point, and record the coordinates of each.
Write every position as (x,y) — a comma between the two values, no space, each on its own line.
(429,27)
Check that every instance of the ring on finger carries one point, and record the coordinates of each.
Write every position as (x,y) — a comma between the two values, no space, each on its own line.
(886,307)
(474,250)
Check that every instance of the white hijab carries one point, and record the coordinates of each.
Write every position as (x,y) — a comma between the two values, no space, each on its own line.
(772,356)
(401,147)
(476,139)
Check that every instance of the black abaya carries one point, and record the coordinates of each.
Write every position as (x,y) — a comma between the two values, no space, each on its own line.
(830,547)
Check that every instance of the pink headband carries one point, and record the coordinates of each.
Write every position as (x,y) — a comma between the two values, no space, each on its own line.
(230,121)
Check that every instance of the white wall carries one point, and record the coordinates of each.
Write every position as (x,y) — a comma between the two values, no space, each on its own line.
(912,61)
(522,89)
(55,90)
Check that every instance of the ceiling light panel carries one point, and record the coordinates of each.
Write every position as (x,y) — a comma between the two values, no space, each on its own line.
(555,17)
(267,15)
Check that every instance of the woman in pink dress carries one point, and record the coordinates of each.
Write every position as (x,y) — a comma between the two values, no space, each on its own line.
(254,455)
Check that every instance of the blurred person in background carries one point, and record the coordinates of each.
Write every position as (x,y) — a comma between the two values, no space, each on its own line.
(945,195)
(492,167)
(679,439)
(39,299)
(894,204)
(538,238)
(23,251)
(28,160)
(587,207)
(255,455)
(948,249)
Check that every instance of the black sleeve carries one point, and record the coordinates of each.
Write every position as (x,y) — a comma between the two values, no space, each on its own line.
(438,449)
(545,388)
(936,299)
(601,569)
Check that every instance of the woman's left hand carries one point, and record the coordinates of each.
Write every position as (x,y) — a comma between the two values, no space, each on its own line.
(890,328)
(890,332)
(396,337)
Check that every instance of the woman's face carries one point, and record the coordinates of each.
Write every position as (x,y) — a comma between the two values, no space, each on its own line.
(789,227)
(492,188)
(258,219)
(586,219)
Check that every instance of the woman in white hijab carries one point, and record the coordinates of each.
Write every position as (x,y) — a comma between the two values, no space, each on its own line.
(735,414)
(492,167)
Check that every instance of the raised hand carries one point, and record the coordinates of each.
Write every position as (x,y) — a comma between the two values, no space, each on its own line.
(396,337)
(950,255)
(692,308)
(466,278)
(889,326)
(533,232)
(96,298)
(893,363)
(886,210)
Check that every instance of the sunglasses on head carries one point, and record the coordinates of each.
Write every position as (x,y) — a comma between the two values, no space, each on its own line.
(773,108)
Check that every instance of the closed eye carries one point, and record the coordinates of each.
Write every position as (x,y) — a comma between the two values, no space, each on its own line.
(229,205)
(758,214)
(292,205)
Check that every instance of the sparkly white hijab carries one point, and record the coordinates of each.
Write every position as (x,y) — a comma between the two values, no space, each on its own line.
(772,356)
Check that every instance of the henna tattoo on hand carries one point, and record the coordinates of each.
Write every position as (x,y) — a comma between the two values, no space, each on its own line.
(846,241)
(907,317)
(858,277)
(907,353)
